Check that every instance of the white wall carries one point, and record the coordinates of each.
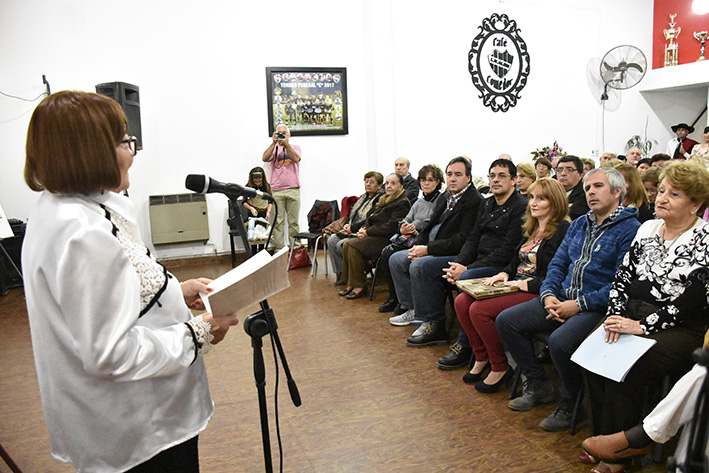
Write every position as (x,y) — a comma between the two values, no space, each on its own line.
(200,67)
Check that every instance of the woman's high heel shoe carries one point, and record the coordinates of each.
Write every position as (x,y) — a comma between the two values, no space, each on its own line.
(493,388)
(344,292)
(472,378)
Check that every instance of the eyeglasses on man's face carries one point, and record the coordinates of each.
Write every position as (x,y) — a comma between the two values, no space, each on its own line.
(132,143)
(566,170)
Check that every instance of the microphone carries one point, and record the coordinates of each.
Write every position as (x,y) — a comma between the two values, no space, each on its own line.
(206,185)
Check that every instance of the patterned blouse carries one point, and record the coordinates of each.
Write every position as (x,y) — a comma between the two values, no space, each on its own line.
(672,275)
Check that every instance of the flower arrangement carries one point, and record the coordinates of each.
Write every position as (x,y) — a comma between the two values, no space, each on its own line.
(550,153)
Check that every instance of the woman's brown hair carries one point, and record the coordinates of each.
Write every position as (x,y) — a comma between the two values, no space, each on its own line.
(264,182)
(71,143)
(636,195)
(554,192)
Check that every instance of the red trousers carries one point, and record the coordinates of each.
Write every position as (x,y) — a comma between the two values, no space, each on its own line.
(478,320)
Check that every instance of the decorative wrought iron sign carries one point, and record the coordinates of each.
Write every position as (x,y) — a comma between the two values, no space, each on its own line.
(498,62)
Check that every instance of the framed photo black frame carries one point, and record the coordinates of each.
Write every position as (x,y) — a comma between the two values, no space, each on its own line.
(309,100)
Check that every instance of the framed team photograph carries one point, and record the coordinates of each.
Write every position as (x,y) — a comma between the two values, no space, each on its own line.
(309,100)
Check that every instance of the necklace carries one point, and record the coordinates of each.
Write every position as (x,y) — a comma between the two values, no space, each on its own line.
(666,249)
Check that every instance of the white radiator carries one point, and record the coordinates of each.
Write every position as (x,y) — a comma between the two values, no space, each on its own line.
(176,218)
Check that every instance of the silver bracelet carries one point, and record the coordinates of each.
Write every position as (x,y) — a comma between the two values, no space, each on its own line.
(202,334)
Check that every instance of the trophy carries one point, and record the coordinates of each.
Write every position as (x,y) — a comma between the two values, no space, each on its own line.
(671,49)
(702,38)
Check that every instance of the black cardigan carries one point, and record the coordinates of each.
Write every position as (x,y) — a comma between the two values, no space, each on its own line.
(545,253)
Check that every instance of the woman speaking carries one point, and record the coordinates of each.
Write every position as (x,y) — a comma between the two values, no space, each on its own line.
(117,351)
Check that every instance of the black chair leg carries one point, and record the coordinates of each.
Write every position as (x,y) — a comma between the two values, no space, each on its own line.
(578,405)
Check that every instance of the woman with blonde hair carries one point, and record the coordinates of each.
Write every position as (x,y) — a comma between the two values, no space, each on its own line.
(635,194)
(525,177)
(545,225)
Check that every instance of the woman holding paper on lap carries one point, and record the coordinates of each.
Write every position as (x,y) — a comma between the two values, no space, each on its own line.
(117,351)
(545,225)
(660,292)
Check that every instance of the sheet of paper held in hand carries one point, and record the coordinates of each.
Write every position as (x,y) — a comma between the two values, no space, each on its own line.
(612,360)
(256,279)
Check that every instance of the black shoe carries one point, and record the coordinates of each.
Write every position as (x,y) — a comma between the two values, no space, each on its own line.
(339,281)
(458,357)
(432,334)
(493,388)
(472,378)
(388,306)
(398,310)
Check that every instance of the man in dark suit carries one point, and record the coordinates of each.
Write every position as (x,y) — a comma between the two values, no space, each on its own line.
(486,252)
(569,171)
(452,220)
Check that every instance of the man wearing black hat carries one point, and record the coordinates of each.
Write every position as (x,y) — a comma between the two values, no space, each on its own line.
(681,147)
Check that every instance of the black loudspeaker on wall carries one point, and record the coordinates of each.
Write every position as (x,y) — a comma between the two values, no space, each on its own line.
(128,96)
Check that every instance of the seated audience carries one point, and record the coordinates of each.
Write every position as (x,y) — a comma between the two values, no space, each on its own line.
(452,220)
(362,209)
(430,180)
(545,225)
(570,175)
(644,164)
(659,159)
(635,195)
(611,163)
(543,168)
(487,250)
(525,177)
(257,206)
(659,292)
(574,297)
(373,236)
(588,164)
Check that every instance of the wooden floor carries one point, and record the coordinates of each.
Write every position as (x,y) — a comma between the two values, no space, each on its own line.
(370,403)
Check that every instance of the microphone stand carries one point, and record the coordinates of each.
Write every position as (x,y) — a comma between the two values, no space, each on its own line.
(256,326)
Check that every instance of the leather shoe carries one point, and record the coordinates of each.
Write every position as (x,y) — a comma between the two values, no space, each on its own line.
(398,310)
(434,334)
(355,295)
(610,448)
(339,281)
(472,378)
(344,292)
(480,386)
(458,357)
(586,458)
(388,306)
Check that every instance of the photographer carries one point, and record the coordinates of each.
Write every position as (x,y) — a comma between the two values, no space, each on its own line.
(284,162)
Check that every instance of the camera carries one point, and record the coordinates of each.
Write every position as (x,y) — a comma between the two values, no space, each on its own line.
(281,134)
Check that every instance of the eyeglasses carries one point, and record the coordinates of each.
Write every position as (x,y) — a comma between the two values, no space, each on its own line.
(493,176)
(566,170)
(132,143)
(428,180)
